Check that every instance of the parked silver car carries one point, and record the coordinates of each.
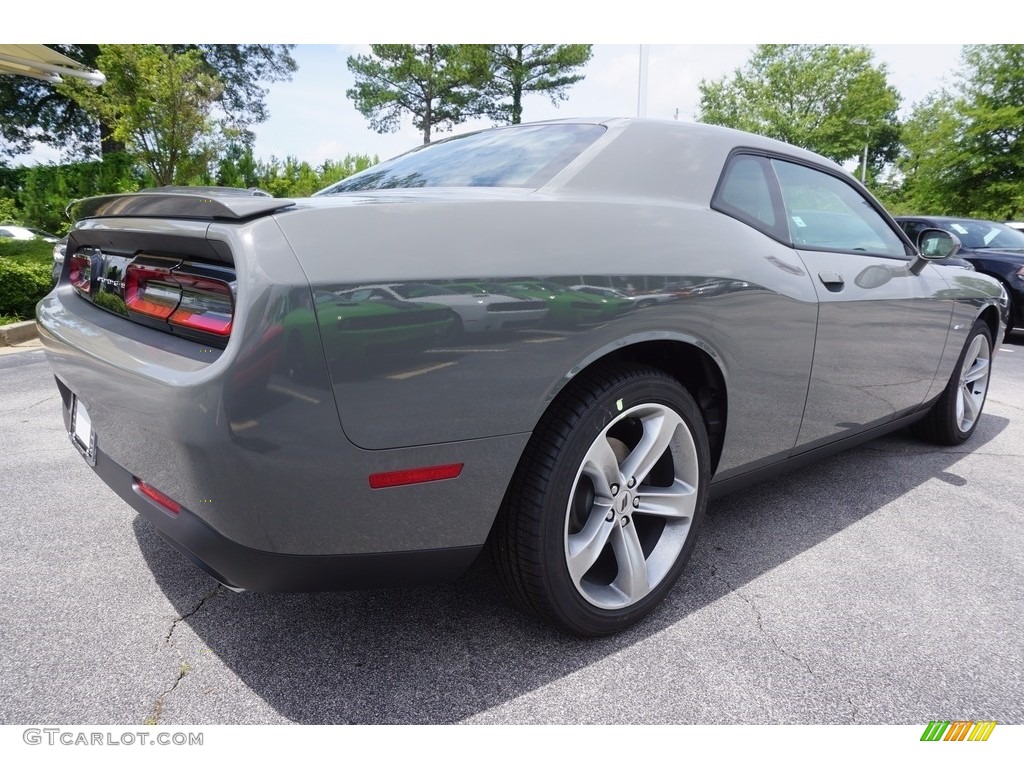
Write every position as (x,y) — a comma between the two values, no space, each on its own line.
(581,458)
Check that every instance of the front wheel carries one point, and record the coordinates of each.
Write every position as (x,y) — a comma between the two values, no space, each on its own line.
(954,417)
(605,506)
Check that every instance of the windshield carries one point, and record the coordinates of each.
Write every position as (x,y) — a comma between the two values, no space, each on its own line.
(522,156)
(985,234)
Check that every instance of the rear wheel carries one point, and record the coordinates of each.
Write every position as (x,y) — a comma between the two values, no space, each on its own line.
(606,503)
(954,417)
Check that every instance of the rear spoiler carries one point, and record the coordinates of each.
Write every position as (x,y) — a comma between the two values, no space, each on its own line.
(180,203)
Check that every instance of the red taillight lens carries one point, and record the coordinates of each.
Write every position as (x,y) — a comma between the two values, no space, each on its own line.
(162,499)
(206,305)
(80,273)
(188,301)
(418,475)
(151,291)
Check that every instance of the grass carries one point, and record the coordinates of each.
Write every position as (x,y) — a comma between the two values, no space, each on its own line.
(10,319)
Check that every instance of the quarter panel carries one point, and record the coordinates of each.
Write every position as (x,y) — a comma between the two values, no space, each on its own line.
(743,297)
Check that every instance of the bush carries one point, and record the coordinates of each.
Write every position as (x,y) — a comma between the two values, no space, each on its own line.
(22,285)
(46,190)
(27,251)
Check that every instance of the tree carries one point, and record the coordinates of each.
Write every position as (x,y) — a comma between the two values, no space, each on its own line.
(292,178)
(46,190)
(964,151)
(521,68)
(158,104)
(831,99)
(438,85)
(32,110)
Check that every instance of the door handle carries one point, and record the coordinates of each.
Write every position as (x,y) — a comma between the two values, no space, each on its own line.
(832,280)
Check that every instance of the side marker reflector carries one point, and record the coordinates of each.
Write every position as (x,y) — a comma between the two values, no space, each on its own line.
(418,475)
(161,499)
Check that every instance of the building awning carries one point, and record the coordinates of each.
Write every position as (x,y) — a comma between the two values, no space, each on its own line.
(44,63)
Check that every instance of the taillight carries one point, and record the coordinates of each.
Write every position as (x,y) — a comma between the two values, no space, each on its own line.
(188,301)
(207,305)
(80,273)
(151,291)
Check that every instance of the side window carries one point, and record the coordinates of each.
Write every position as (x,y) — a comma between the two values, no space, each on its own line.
(826,213)
(744,192)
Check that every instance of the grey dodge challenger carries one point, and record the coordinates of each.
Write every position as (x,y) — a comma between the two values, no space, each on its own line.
(222,370)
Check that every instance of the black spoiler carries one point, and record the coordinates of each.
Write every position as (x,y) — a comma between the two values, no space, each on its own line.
(180,203)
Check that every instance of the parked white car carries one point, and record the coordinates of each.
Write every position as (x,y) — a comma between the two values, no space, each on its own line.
(16,232)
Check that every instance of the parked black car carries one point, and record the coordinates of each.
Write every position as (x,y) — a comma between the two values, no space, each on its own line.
(994,249)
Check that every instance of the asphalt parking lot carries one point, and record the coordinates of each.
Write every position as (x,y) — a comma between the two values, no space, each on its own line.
(883,585)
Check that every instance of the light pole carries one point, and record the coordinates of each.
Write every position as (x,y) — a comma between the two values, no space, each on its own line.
(641,85)
(867,138)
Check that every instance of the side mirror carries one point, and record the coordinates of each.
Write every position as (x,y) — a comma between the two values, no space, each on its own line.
(933,245)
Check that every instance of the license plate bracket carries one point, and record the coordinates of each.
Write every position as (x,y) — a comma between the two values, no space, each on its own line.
(82,435)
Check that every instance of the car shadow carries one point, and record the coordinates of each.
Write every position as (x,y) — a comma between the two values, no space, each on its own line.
(440,654)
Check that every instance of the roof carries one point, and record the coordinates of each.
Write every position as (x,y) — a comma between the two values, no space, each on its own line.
(42,63)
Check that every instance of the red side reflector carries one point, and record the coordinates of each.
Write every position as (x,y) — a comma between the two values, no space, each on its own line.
(411,476)
(162,499)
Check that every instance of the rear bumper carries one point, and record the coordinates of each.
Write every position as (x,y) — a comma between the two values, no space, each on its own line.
(240,567)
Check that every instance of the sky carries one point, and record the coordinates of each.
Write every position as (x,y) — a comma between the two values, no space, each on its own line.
(313,120)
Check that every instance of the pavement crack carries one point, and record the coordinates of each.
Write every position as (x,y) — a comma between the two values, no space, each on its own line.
(183,666)
(760,622)
(771,638)
(49,399)
(158,705)
(190,614)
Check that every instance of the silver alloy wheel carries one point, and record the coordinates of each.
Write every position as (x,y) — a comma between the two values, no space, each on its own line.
(974,375)
(631,506)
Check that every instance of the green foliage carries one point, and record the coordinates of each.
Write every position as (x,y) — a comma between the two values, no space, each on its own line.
(293,178)
(831,99)
(439,86)
(521,68)
(47,189)
(9,213)
(26,251)
(159,104)
(964,147)
(237,168)
(32,110)
(22,285)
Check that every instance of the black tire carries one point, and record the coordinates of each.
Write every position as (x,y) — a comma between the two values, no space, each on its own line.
(955,415)
(561,498)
